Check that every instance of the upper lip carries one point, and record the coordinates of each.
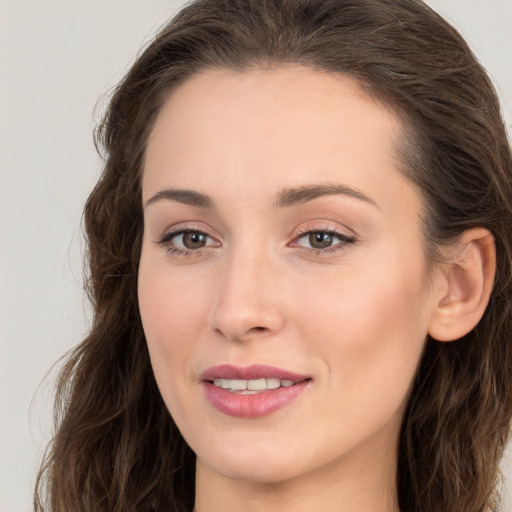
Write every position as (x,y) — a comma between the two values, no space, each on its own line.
(254,371)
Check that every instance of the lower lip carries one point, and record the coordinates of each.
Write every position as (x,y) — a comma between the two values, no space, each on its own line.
(252,406)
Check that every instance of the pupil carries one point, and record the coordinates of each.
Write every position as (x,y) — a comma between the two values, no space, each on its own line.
(320,240)
(194,240)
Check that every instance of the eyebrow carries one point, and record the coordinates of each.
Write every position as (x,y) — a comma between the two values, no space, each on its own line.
(189,197)
(293,196)
(284,199)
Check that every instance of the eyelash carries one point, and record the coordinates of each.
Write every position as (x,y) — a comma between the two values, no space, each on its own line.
(165,241)
(343,241)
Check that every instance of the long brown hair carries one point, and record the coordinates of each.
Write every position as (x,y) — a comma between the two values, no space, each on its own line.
(116,447)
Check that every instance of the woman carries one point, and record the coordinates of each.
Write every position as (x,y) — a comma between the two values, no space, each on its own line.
(300,263)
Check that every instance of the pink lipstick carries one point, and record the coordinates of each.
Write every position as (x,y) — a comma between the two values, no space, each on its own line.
(251,391)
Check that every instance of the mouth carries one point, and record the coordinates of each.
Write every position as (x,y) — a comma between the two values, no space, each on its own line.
(253,391)
(252,386)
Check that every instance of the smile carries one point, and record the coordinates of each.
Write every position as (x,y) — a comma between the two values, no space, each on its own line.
(252,386)
(253,391)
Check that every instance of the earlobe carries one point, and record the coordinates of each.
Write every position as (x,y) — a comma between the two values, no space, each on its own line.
(468,280)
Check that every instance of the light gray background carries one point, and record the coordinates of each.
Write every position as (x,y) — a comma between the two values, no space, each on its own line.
(57,59)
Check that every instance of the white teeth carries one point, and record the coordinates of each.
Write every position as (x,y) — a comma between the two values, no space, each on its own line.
(273,383)
(257,385)
(238,385)
(252,386)
(223,383)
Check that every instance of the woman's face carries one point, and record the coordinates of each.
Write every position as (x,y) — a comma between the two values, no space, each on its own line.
(283,285)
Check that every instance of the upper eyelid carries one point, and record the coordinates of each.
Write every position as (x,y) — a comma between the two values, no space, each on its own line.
(314,227)
(307,230)
(184,227)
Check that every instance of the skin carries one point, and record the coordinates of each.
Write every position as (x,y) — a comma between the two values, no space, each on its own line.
(353,316)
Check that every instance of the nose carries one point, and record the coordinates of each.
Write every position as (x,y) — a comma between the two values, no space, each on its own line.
(248,302)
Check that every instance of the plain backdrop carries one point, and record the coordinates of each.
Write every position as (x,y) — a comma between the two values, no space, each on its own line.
(58,60)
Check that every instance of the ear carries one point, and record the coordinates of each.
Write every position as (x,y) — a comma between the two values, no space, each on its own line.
(467,281)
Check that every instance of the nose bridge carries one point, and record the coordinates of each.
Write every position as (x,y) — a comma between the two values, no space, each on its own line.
(247,302)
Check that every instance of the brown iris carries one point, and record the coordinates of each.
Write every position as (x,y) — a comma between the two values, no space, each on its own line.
(194,239)
(320,239)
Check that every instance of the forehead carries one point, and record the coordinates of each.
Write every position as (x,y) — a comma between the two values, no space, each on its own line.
(276,128)
(271,101)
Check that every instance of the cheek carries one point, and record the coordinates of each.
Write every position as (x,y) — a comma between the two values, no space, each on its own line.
(173,318)
(367,307)
(172,328)
(165,303)
(370,330)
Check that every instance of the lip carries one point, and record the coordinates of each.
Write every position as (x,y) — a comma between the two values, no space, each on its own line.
(256,405)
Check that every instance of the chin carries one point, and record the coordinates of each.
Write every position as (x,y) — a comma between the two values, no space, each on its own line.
(253,463)
(264,472)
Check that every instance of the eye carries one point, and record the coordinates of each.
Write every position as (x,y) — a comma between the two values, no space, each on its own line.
(323,239)
(320,239)
(190,239)
(186,241)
